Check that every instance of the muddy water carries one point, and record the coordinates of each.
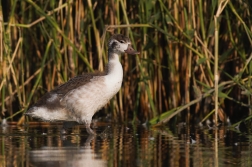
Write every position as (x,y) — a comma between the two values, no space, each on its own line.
(123,145)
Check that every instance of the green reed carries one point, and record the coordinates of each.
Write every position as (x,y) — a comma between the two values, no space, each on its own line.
(44,43)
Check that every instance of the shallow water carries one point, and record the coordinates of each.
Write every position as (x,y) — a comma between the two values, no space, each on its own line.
(123,145)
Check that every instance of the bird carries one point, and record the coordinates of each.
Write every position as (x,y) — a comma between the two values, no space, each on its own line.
(78,99)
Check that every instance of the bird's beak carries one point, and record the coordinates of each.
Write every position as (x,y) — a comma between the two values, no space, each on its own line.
(131,51)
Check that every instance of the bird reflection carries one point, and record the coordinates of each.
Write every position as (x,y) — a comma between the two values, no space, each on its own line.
(67,155)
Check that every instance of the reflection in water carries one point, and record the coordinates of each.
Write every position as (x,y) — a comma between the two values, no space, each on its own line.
(66,156)
(42,145)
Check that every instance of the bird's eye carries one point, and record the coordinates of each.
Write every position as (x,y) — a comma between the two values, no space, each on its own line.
(121,41)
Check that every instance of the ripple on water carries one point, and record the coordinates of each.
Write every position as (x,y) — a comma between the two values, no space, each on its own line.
(122,145)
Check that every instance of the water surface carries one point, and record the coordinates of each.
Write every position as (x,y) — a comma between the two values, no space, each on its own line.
(41,144)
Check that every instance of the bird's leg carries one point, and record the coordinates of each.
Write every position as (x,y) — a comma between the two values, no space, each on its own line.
(89,130)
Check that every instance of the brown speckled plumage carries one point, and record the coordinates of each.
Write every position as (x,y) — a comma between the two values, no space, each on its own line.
(63,89)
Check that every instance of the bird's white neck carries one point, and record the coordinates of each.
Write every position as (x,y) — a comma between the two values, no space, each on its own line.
(114,65)
(114,74)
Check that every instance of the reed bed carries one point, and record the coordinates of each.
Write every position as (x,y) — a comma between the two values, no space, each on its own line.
(195,55)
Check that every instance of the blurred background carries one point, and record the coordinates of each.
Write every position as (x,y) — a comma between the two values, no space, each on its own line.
(43,43)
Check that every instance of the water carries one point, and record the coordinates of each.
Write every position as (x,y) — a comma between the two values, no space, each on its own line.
(41,144)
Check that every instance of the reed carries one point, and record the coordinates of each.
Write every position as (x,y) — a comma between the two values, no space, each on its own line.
(44,43)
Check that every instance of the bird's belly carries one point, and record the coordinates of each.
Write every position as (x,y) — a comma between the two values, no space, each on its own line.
(83,102)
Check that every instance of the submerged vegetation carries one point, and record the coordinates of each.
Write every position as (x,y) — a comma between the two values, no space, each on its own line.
(185,47)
